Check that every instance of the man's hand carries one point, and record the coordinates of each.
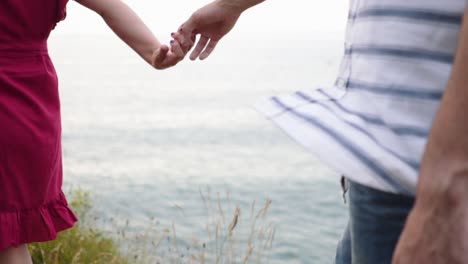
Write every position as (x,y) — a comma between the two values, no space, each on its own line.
(212,22)
(435,234)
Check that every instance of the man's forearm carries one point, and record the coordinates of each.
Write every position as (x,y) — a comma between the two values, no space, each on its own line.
(436,230)
(242,5)
(444,170)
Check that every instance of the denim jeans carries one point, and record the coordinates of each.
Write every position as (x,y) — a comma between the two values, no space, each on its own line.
(375,224)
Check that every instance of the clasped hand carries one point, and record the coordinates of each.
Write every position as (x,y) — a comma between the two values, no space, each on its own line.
(211,22)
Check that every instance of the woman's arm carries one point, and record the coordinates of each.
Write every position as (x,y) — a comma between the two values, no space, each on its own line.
(129,27)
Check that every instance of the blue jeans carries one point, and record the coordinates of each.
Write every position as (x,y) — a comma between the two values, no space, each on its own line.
(375,224)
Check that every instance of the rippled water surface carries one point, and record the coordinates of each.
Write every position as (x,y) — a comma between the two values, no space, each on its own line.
(147,143)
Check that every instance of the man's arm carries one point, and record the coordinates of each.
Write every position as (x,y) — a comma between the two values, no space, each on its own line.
(212,22)
(437,229)
(242,5)
(129,27)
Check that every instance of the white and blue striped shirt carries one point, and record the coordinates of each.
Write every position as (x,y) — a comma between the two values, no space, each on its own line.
(373,124)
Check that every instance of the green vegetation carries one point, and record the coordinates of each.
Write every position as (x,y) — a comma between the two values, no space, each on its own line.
(81,244)
(244,240)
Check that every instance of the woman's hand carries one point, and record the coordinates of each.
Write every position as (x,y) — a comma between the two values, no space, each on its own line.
(165,57)
(129,27)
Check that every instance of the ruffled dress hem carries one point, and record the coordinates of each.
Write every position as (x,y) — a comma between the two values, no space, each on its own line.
(18,227)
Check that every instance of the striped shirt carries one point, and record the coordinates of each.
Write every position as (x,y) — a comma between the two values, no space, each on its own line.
(373,124)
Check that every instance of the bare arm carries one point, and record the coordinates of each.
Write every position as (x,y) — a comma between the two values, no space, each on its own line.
(129,27)
(242,5)
(437,229)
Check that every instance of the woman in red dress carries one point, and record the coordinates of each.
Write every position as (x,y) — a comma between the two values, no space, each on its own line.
(32,205)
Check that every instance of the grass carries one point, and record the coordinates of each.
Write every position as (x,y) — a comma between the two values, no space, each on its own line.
(81,244)
(229,236)
(242,237)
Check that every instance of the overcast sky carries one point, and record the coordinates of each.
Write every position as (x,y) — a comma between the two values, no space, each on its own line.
(272,17)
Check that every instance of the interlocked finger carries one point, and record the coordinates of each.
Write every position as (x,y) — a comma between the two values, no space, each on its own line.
(177,49)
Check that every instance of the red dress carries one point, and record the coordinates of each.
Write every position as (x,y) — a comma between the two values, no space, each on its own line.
(32,205)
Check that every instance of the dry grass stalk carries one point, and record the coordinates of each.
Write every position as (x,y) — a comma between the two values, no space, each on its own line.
(56,252)
(234,221)
(265,208)
(76,258)
(252,210)
(176,245)
(249,253)
(220,208)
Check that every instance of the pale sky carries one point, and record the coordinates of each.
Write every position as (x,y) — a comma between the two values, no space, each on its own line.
(275,17)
